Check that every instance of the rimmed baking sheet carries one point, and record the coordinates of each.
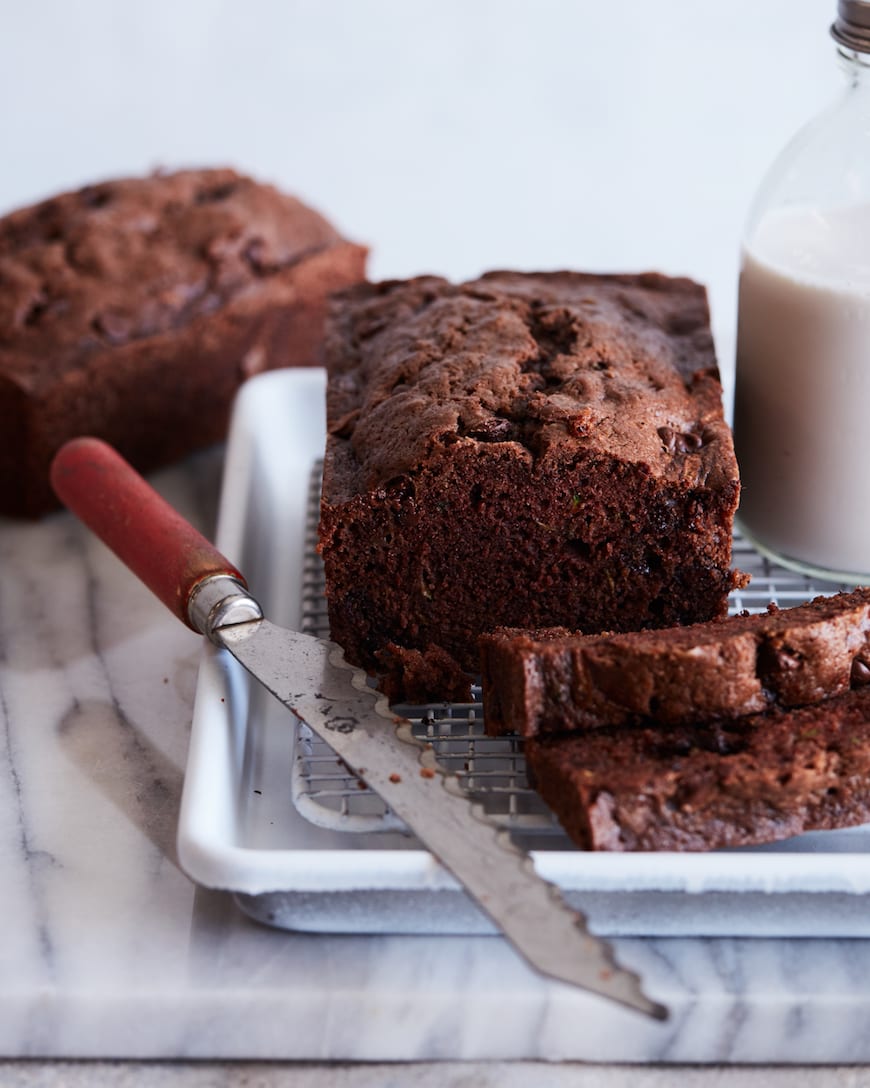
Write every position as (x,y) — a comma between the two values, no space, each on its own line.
(309,862)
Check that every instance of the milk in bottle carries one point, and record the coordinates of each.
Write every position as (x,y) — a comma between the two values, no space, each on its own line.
(802,405)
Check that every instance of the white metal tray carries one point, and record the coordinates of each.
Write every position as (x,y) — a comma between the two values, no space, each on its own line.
(268,814)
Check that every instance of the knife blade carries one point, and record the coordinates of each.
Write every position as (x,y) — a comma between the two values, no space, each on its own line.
(333,698)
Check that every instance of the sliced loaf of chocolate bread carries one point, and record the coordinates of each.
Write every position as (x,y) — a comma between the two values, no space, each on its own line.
(552,681)
(525,448)
(759,778)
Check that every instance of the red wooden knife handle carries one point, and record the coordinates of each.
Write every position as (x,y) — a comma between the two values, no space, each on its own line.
(162,549)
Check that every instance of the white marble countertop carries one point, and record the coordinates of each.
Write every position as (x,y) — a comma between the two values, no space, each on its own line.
(64,1074)
(109,951)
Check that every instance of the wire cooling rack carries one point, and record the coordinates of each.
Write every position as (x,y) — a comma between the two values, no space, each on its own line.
(491,769)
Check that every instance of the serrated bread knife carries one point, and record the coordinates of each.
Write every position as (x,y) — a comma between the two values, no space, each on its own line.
(311,678)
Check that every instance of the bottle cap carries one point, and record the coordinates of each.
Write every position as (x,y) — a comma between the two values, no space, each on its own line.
(852,26)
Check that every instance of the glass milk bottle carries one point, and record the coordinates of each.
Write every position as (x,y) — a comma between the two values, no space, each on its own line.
(802,392)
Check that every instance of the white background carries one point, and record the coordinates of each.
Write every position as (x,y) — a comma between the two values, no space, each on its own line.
(450,135)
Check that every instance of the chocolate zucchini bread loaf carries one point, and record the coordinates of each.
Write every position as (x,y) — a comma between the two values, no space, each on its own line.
(134,309)
(755,779)
(522,450)
(552,681)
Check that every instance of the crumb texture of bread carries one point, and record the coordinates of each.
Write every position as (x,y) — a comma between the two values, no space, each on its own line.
(411,676)
(523,450)
(133,309)
(756,779)
(553,681)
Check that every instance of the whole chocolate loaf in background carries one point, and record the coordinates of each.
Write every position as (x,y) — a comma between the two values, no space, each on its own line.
(553,681)
(522,450)
(756,779)
(134,309)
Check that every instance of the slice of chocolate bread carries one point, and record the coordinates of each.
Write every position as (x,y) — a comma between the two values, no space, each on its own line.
(134,309)
(756,779)
(522,450)
(553,681)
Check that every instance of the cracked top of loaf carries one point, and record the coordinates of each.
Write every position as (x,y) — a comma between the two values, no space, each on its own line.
(127,259)
(557,363)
